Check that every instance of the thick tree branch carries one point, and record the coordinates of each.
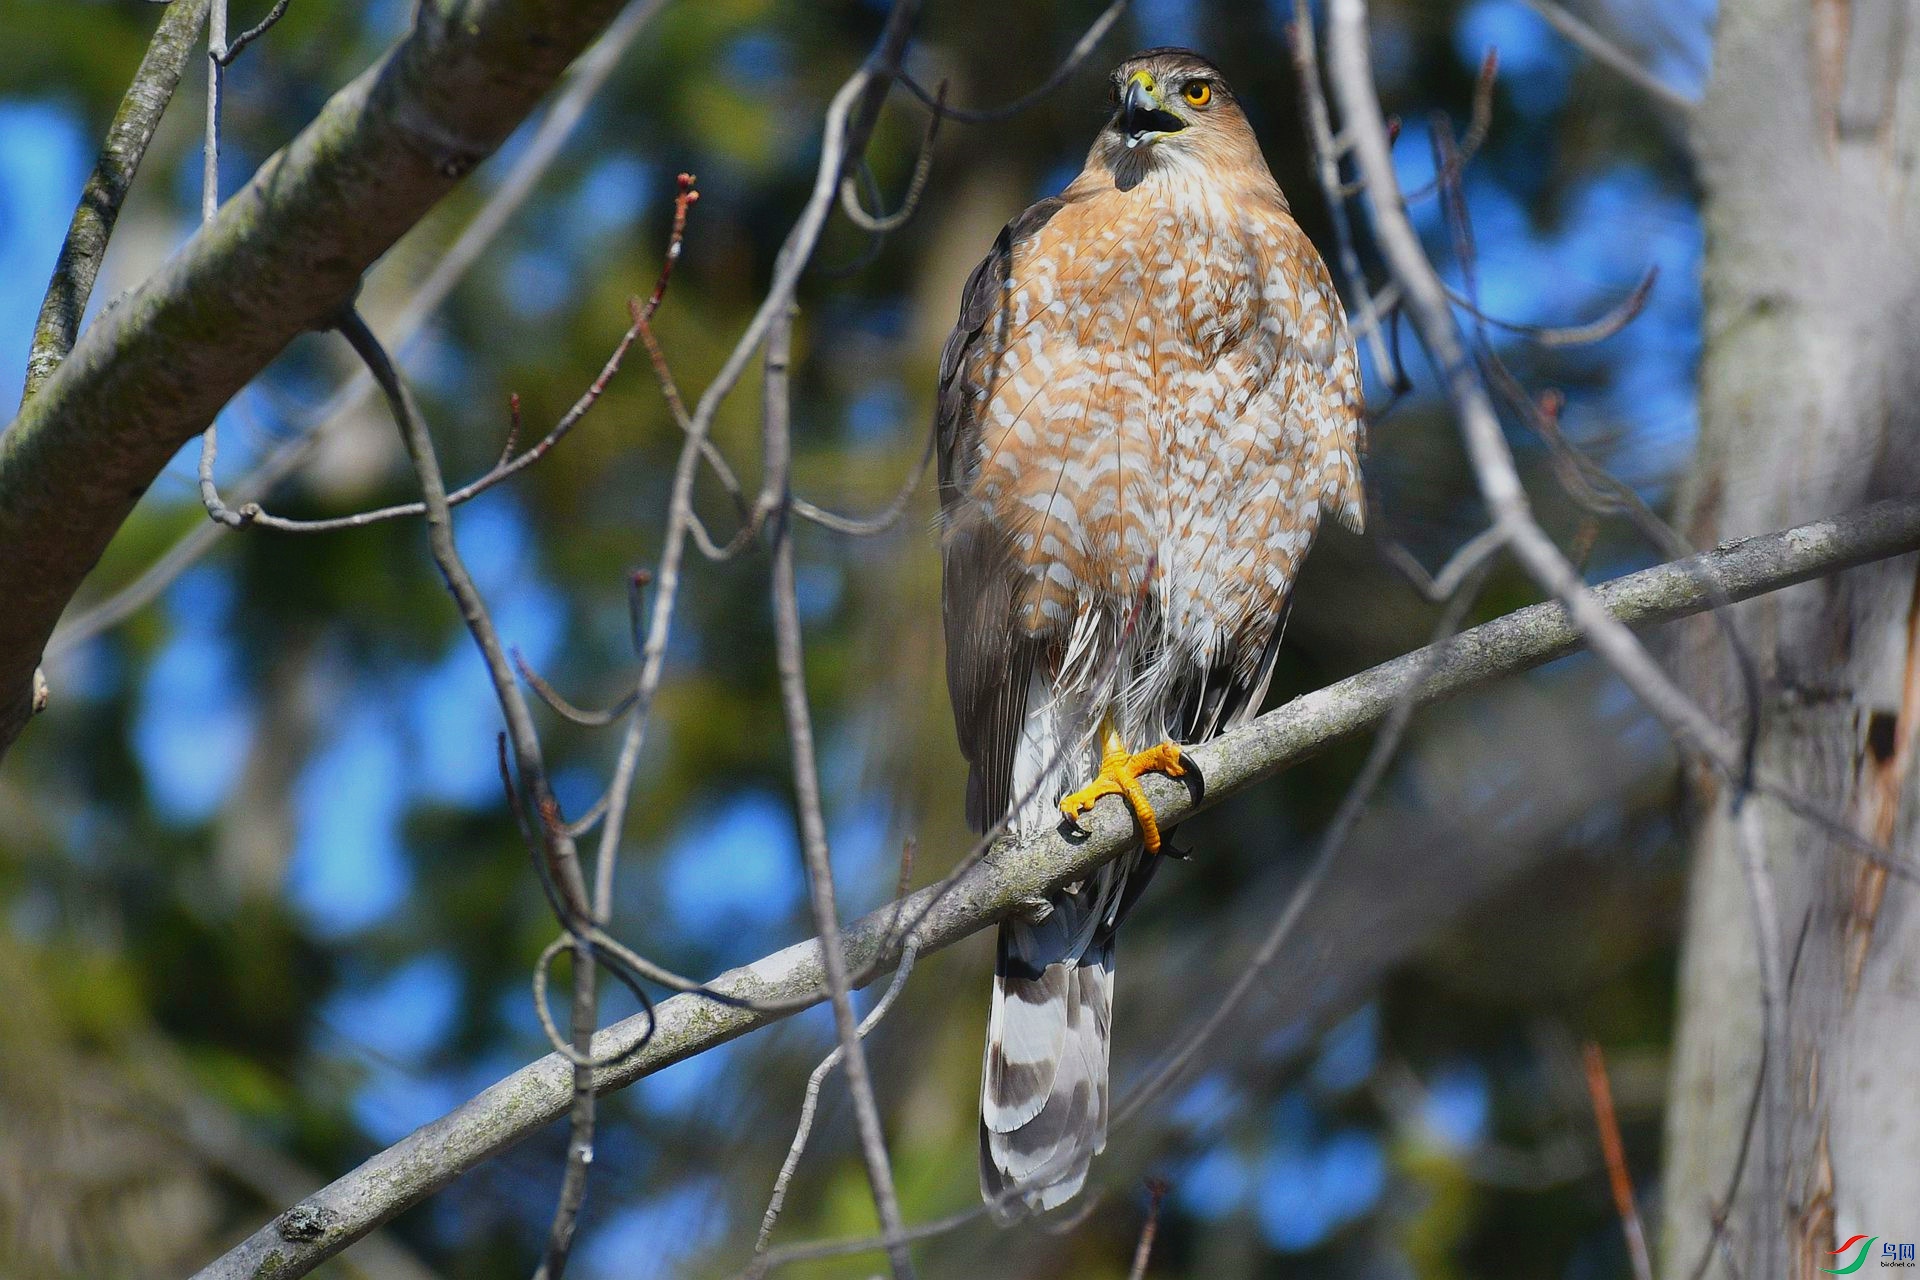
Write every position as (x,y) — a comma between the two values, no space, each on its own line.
(941,915)
(588,77)
(284,256)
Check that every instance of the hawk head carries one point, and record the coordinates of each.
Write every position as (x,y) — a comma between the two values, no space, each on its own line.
(1172,98)
(1172,108)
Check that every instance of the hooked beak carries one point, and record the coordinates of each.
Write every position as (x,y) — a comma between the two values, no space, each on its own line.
(1142,117)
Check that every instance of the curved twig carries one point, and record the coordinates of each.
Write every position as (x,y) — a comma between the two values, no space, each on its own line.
(1061,74)
(1479,125)
(233,50)
(886,223)
(886,517)
(559,1044)
(810,1103)
(566,710)
(1616,318)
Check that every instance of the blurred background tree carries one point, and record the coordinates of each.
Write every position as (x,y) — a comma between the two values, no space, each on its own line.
(266,911)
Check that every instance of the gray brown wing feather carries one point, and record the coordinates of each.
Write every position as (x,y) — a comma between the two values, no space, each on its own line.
(1044,1077)
(988,661)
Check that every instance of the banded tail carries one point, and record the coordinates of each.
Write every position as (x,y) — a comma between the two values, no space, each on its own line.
(1043,1087)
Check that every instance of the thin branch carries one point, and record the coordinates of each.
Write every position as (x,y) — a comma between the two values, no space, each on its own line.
(810,1103)
(627,965)
(226,56)
(787,269)
(209,206)
(1425,299)
(791,663)
(1143,1251)
(566,710)
(1479,125)
(1061,74)
(1586,481)
(446,554)
(886,517)
(1619,1181)
(132,129)
(516,1106)
(1771,1078)
(567,1050)
(1327,151)
(881,224)
(1379,757)
(1611,55)
(216,84)
(1599,329)
(1439,587)
(557,844)
(250,513)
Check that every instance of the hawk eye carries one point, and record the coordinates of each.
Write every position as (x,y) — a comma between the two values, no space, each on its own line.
(1198,92)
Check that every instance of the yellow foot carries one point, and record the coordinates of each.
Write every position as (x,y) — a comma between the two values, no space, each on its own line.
(1120,772)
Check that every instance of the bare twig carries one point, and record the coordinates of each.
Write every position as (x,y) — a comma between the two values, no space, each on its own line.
(881,224)
(226,56)
(1619,1181)
(1061,74)
(1586,481)
(582,954)
(1616,318)
(216,78)
(886,518)
(846,133)
(1479,125)
(1327,151)
(1609,54)
(1143,1252)
(473,609)
(554,840)
(813,837)
(209,206)
(686,1025)
(810,1103)
(566,710)
(1379,757)
(511,464)
(1426,303)
(799,246)
(1772,1081)
(1439,587)
(132,129)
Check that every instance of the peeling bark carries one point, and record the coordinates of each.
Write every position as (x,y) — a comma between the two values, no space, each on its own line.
(1810,402)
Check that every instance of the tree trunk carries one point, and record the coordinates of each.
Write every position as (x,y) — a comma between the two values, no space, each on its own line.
(1810,404)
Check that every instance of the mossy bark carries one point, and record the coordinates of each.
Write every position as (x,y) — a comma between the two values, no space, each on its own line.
(174,40)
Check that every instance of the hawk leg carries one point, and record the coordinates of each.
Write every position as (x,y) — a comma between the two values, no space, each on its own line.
(1119,775)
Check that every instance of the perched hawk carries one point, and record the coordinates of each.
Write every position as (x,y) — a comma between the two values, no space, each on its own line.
(1149,400)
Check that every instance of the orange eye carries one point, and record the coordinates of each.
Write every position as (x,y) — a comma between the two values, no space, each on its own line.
(1199,93)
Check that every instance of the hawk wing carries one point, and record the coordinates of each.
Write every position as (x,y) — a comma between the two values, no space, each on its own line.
(989,660)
